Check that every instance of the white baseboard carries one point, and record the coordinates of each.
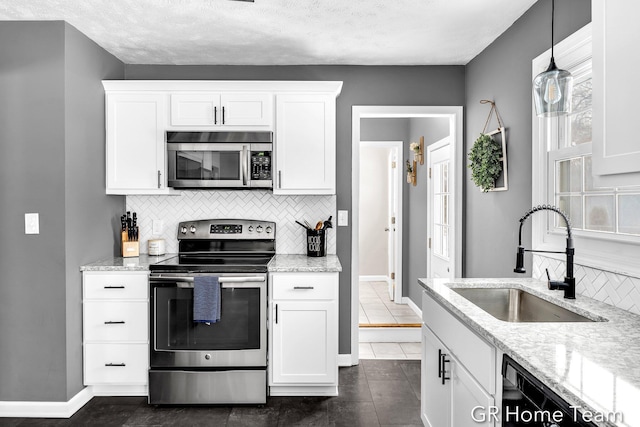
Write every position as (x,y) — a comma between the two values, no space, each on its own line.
(412,305)
(345,360)
(389,335)
(46,409)
(374,278)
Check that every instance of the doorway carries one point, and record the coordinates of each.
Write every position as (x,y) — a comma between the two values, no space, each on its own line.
(409,294)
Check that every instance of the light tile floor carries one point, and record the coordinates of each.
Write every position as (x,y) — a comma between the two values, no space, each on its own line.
(377,309)
(390,350)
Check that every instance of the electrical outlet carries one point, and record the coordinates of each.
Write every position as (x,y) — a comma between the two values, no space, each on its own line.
(157,227)
(343,218)
(31,223)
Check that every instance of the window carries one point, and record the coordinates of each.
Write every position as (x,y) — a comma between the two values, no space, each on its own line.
(605,221)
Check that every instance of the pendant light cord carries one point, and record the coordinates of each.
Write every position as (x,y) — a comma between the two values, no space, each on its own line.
(553,14)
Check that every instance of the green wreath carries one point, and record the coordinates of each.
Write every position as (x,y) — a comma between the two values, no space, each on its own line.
(485,162)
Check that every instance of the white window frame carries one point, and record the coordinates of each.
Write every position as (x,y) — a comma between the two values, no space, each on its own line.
(616,253)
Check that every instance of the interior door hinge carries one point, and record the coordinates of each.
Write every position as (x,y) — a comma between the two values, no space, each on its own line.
(429,172)
(393,220)
(429,243)
(393,165)
(393,276)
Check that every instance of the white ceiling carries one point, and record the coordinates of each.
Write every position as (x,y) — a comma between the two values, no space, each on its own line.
(279,32)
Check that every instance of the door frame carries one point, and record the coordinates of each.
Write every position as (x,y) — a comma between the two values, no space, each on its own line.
(429,153)
(397,146)
(454,114)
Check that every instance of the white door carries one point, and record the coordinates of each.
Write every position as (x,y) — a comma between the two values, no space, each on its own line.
(440,211)
(392,236)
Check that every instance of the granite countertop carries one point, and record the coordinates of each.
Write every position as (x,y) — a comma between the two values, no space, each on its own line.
(593,365)
(138,263)
(279,263)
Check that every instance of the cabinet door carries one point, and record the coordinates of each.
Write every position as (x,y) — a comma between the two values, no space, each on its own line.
(616,152)
(305,144)
(435,406)
(305,342)
(197,109)
(247,109)
(469,399)
(135,143)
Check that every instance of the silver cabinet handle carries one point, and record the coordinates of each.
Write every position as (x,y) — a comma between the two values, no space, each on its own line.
(279,179)
(117,365)
(114,322)
(159,179)
(114,287)
(303,287)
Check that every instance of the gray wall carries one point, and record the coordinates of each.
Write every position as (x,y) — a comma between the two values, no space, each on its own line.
(50,126)
(370,85)
(502,73)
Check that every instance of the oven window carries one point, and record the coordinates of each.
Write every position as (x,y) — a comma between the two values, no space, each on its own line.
(238,328)
(208,165)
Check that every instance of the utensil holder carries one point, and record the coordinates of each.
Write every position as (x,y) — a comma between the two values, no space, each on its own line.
(316,243)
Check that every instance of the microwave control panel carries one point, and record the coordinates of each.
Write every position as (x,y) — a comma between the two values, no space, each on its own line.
(261,165)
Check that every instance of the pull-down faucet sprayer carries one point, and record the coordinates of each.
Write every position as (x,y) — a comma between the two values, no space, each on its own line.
(569,283)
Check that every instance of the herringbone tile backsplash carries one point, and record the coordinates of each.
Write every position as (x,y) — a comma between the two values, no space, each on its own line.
(615,289)
(255,204)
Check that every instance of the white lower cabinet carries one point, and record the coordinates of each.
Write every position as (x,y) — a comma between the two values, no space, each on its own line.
(116,332)
(303,334)
(454,393)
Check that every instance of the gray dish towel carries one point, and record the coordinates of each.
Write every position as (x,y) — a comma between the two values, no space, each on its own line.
(206,299)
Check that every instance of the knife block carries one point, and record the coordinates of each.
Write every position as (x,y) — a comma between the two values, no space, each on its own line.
(129,248)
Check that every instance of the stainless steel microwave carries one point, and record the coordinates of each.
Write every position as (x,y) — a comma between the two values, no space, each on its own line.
(219,159)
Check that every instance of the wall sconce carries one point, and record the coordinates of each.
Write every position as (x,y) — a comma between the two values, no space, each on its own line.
(411,172)
(418,151)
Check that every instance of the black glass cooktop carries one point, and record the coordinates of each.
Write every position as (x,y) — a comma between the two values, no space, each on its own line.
(211,263)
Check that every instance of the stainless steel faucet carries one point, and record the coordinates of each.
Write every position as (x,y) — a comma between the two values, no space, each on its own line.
(569,283)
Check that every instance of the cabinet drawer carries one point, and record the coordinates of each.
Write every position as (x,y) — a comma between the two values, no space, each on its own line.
(473,352)
(289,286)
(115,321)
(116,363)
(116,286)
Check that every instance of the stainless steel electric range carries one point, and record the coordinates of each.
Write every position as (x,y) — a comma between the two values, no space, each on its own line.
(212,363)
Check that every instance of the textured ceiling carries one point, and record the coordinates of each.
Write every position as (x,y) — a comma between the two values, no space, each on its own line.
(279,32)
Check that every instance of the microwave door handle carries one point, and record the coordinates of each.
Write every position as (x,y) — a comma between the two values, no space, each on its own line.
(245,166)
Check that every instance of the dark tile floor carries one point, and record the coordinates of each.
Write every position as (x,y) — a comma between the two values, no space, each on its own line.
(375,393)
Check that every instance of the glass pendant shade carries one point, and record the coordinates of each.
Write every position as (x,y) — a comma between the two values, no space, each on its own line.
(552,92)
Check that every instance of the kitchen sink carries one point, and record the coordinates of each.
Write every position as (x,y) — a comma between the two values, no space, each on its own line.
(517,305)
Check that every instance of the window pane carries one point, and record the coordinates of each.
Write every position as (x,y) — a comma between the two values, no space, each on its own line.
(437,210)
(588,177)
(445,177)
(581,127)
(600,213)
(572,207)
(445,208)
(437,239)
(445,242)
(581,98)
(569,175)
(628,217)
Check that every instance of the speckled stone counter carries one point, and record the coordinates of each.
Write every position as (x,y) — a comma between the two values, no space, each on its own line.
(139,263)
(278,263)
(593,365)
(283,263)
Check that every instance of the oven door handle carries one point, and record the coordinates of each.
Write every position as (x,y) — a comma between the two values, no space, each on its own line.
(187,282)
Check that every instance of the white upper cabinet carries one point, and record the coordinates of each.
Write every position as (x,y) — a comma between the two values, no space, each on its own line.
(616,145)
(206,109)
(305,144)
(135,125)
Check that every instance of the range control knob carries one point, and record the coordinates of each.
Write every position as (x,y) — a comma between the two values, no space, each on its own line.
(183,229)
(269,229)
(250,229)
(207,356)
(192,229)
(259,229)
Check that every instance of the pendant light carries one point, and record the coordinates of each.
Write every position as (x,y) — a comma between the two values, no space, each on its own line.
(552,88)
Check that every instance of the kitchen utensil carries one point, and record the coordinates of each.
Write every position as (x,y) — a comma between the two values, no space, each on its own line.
(328,223)
(319,225)
(301,224)
(308,225)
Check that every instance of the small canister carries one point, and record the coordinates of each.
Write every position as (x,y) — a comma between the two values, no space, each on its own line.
(156,246)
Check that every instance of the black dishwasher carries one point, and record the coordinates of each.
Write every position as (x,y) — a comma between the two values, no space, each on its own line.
(526,401)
